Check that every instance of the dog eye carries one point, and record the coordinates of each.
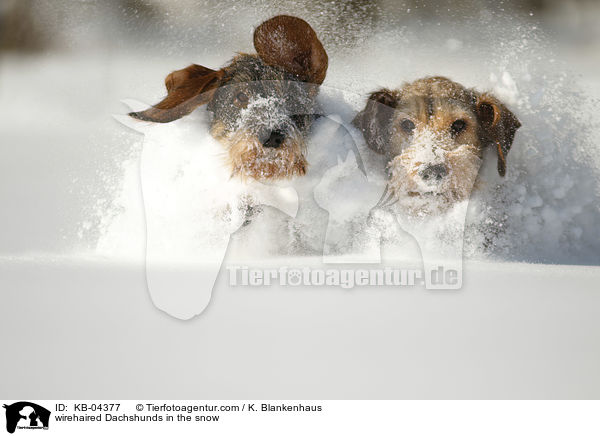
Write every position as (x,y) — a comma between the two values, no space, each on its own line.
(299,120)
(458,126)
(407,125)
(241,99)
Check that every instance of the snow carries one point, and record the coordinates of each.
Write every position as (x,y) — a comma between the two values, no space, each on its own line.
(515,331)
(546,209)
(82,191)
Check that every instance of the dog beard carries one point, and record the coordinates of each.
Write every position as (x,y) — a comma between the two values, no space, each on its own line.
(421,197)
(248,158)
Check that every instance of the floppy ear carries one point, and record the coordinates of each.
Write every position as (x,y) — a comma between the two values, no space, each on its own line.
(374,120)
(498,126)
(290,43)
(186,90)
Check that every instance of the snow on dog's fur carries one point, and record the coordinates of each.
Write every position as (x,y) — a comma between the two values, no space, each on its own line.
(433,132)
(262,104)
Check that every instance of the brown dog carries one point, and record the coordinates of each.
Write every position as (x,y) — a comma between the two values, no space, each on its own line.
(262,104)
(433,132)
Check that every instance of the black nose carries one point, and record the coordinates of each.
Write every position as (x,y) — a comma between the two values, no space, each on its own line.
(433,172)
(275,139)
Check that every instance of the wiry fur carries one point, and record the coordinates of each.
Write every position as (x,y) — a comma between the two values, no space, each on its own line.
(433,132)
(275,102)
(262,104)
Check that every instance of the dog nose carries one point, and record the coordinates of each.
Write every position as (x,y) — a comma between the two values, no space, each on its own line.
(275,139)
(433,172)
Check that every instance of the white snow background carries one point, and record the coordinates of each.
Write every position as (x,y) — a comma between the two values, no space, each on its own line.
(71,172)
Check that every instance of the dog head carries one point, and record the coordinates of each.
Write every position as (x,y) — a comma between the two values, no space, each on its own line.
(433,132)
(262,104)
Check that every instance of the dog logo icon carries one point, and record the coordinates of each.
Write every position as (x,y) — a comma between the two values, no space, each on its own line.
(26,415)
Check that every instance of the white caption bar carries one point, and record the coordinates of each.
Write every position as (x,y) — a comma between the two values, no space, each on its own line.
(300,417)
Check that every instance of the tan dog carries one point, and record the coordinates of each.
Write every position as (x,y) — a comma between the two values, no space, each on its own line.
(433,132)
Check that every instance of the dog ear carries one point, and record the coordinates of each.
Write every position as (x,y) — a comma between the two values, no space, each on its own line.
(498,126)
(186,90)
(290,43)
(374,120)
